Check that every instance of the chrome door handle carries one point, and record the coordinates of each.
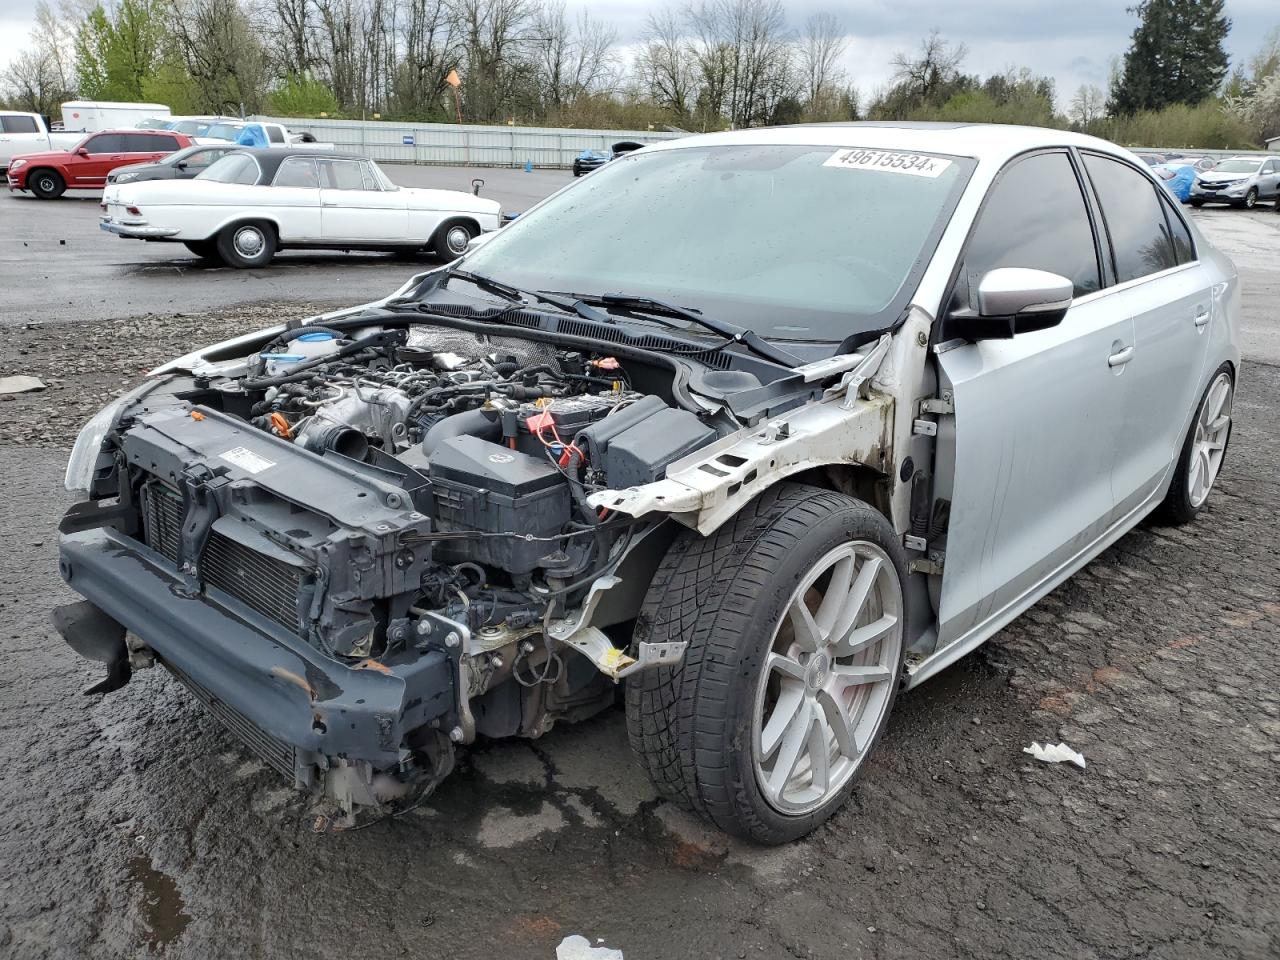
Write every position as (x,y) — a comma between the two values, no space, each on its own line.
(1202,317)
(330,203)
(1120,357)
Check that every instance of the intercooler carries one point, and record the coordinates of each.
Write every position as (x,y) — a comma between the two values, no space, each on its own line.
(261,582)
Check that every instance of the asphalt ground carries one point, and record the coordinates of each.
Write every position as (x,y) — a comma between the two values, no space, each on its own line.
(135,826)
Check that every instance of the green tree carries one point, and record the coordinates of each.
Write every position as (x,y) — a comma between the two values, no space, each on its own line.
(118,48)
(300,95)
(1176,55)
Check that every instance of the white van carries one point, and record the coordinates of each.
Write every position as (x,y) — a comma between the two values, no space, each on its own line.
(89,116)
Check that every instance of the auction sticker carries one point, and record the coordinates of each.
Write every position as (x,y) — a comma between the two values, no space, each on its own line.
(888,161)
(247,460)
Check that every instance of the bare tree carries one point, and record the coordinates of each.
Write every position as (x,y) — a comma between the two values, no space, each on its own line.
(745,59)
(937,66)
(573,57)
(822,45)
(496,59)
(221,52)
(664,63)
(1088,106)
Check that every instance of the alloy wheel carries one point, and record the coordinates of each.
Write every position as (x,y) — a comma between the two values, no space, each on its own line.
(1209,445)
(828,678)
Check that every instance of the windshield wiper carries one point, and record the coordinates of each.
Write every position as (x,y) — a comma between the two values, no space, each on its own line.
(516,295)
(736,334)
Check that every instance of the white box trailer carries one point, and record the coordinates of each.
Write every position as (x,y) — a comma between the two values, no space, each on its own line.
(92,115)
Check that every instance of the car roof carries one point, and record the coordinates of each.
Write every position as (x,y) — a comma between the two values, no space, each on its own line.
(989,142)
(270,158)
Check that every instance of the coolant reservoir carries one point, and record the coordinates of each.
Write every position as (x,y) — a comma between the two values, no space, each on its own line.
(308,346)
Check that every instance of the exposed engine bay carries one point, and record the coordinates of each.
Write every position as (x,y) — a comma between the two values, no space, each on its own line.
(406,508)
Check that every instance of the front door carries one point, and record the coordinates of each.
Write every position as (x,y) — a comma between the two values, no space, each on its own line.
(1038,416)
(106,152)
(355,208)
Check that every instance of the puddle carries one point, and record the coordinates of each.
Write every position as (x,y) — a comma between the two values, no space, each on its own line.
(163,914)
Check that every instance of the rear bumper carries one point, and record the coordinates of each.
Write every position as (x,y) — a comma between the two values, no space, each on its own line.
(138,231)
(271,688)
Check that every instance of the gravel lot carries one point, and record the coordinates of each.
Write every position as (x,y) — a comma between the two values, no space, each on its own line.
(137,827)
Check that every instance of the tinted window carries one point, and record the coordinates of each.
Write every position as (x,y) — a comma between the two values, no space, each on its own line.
(234,168)
(1140,242)
(297,172)
(19,125)
(105,143)
(148,143)
(344,175)
(1183,248)
(1035,216)
(275,134)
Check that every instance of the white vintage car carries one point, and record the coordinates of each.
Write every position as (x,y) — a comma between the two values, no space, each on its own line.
(250,204)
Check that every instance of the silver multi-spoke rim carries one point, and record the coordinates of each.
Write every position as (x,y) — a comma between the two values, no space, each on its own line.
(1210,441)
(457,238)
(828,678)
(249,242)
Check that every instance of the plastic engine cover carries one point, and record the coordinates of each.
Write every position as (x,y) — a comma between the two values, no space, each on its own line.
(640,453)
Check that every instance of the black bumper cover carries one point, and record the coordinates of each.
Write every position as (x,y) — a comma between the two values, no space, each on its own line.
(274,679)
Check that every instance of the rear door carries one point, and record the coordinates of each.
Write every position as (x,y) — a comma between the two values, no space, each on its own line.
(1037,416)
(294,199)
(1166,291)
(355,207)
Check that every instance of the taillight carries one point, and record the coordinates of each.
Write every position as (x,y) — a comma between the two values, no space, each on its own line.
(134,211)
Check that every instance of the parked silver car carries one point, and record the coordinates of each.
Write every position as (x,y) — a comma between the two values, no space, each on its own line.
(768,425)
(1239,181)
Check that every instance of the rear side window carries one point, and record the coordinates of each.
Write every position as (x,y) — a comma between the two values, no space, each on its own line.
(1136,225)
(1035,216)
(297,172)
(19,125)
(148,142)
(1184,249)
(275,134)
(106,143)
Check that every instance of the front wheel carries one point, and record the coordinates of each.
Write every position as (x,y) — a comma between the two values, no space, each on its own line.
(1203,451)
(451,241)
(1251,198)
(794,616)
(248,244)
(1197,203)
(47,184)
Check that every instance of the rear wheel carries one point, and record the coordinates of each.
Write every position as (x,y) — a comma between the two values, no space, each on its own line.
(1202,453)
(451,240)
(251,243)
(46,184)
(794,617)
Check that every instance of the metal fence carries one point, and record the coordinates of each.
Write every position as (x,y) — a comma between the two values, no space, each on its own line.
(503,146)
(464,144)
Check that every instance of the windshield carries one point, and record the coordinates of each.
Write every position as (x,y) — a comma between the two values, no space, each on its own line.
(1238,166)
(795,242)
(224,131)
(192,128)
(233,168)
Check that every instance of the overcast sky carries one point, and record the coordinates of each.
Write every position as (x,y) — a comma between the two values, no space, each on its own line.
(1072,41)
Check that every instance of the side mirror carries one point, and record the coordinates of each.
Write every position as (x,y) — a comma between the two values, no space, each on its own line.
(1012,300)
(82,152)
(181,164)
(476,184)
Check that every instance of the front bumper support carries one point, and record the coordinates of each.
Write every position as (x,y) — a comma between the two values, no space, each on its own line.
(333,712)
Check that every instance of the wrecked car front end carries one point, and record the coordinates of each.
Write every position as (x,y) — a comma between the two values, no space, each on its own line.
(361,544)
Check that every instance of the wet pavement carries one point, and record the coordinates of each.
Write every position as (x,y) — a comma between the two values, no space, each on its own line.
(135,826)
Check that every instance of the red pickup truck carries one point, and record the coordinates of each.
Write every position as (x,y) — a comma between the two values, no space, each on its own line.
(86,165)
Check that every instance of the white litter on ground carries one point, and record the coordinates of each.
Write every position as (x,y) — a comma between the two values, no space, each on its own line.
(575,947)
(1055,753)
(20,384)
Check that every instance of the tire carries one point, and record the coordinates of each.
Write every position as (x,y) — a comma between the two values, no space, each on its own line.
(1197,203)
(204,249)
(249,243)
(699,726)
(448,244)
(1205,448)
(46,184)
(1250,199)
